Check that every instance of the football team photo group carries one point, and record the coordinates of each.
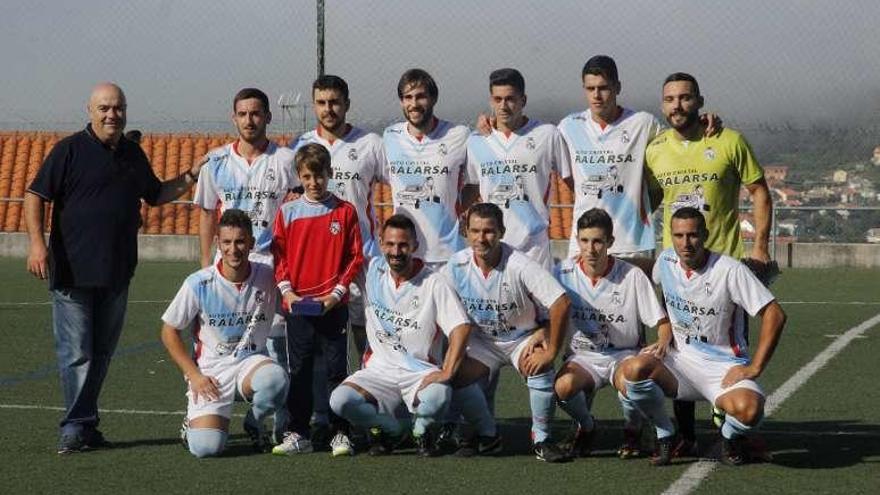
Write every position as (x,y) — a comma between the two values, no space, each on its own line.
(343,335)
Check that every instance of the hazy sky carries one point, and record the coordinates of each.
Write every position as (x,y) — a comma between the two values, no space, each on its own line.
(181,62)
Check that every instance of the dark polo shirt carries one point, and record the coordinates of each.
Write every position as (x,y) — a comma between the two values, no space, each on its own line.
(95,194)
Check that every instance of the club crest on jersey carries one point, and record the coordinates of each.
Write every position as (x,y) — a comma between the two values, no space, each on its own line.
(335,227)
(624,136)
(442,149)
(259,297)
(709,154)
(414,303)
(352,154)
(530,143)
(270,175)
(708,289)
(616,299)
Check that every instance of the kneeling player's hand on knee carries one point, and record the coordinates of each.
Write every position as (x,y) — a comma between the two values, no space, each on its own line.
(657,349)
(538,340)
(737,374)
(536,362)
(206,387)
(438,376)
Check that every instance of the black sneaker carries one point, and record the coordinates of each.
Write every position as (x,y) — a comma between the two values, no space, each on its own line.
(549,452)
(381,443)
(426,445)
(735,451)
(259,438)
(94,439)
(581,442)
(664,451)
(321,436)
(446,441)
(632,444)
(479,445)
(71,444)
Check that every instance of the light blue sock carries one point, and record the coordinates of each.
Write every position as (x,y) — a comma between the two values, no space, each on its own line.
(632,417)
(471,402)
(576,407)
(733,427)
(206,442)
(433,401)
(651,401)
(348,403)
(541,401)
(269,383)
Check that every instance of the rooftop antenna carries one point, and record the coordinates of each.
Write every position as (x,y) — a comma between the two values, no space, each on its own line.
(293,113)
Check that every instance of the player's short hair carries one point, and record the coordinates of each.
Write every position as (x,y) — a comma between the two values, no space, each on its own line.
(417,77)
(683,76)
(329,81)
(601,65)
(402,222)
(687,213)
(597,218)
(313,157)
(247,94)
(507,77)
(486,210)
(237,219)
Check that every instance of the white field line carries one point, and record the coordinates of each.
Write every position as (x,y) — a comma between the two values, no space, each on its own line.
(698,472)
(148,412)
(144,412)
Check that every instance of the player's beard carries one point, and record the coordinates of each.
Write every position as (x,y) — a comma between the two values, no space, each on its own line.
(427,116)
(690,120)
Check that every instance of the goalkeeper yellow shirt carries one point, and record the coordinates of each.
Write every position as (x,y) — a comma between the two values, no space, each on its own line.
(706,175)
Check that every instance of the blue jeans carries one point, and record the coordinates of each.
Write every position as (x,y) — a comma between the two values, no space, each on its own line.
(86,324)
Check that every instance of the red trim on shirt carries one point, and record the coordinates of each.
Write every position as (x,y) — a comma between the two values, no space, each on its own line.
(235,149)
(604,274)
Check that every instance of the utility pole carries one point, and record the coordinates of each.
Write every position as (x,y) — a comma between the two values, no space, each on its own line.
(320,26)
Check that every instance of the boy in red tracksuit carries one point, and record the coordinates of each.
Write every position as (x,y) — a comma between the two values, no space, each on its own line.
(316,244)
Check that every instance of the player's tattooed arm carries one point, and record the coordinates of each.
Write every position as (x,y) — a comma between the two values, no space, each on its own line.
(664,340)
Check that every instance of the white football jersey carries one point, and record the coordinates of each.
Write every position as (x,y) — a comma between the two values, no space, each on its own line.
(258,189)
(609,315)
(231,321)
(425,177)
(404,323)
(607,166)
(513,172)
(507,303)
(357,160)
(702,305)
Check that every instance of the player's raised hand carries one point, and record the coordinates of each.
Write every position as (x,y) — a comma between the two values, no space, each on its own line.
(485,124)
(736,374)
(37,261)
(206,387)
(713,123)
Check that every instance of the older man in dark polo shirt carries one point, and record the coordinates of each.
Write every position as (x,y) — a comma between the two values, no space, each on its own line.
(95,179)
